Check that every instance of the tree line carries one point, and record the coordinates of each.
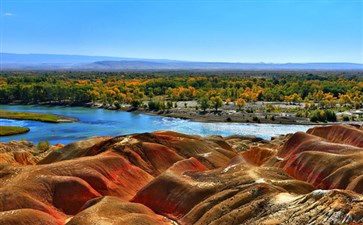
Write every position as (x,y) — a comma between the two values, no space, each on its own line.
(210,88)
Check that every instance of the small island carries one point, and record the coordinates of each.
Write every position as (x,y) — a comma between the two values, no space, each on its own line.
(48,118)
(42,117)
(12,130)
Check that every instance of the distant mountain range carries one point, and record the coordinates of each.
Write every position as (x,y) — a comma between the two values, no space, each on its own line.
(10,61)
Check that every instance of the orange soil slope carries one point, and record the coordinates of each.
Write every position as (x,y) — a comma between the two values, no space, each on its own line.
(171,178)
(326,161)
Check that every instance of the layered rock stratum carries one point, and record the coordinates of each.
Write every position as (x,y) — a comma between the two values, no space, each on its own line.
(172,178)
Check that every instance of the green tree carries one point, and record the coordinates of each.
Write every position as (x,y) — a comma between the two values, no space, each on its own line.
(217,102)
(204,103)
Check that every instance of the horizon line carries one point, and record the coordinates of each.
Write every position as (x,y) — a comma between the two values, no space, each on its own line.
(180,60)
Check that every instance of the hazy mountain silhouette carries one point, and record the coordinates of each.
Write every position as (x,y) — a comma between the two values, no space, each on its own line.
(10,61)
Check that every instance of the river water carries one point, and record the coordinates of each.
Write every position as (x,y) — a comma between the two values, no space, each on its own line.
(100,122)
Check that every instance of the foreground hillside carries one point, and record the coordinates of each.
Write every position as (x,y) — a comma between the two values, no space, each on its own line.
(171,178)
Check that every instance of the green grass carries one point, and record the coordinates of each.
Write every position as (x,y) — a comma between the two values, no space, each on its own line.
(50,118)
(12,130)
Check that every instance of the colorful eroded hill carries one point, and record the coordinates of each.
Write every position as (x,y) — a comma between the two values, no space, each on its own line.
(171,178)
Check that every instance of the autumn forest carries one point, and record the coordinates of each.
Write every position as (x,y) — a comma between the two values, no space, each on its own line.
(161,90)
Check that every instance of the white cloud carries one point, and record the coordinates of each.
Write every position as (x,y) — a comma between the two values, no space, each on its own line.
(8,14)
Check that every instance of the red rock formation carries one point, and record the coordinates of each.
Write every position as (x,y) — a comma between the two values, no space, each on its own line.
(172,146)
(72,150)
(18,152)
(28,216)
(172,194)
(343,134)
(171,178)
(70,176)
(324,164)
(62,188)
(258,155)
(112,210)
(19,157)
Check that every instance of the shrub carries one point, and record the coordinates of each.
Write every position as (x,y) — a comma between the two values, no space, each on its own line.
(136,103)
(117,105)
(162,105)
(43,146)
(323,116)
(299,114)
(256,119)
(169,104)
(156,105)
(314,118)
(330,115)
(318,116)
(273,118)
(249,110)
(357,105)
(151,105)
(270,108)
(346,118)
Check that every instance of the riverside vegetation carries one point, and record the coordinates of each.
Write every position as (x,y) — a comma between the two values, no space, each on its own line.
(49,118)
(42,117)
(12,130)
(253,96)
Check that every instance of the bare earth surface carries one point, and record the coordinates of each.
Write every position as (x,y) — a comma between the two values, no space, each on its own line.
(171,178)
(231,113)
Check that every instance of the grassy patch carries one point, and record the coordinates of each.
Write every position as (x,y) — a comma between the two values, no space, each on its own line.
(50,118)
(12,130)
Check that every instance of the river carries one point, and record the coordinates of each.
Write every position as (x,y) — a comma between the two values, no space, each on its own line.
(100,122)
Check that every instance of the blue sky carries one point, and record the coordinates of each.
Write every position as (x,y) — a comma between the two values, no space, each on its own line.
(228,31)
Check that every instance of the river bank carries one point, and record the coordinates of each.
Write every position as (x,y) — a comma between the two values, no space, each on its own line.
(252,113)
(190,110)
(228,115)
(100,122)
(233,116)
